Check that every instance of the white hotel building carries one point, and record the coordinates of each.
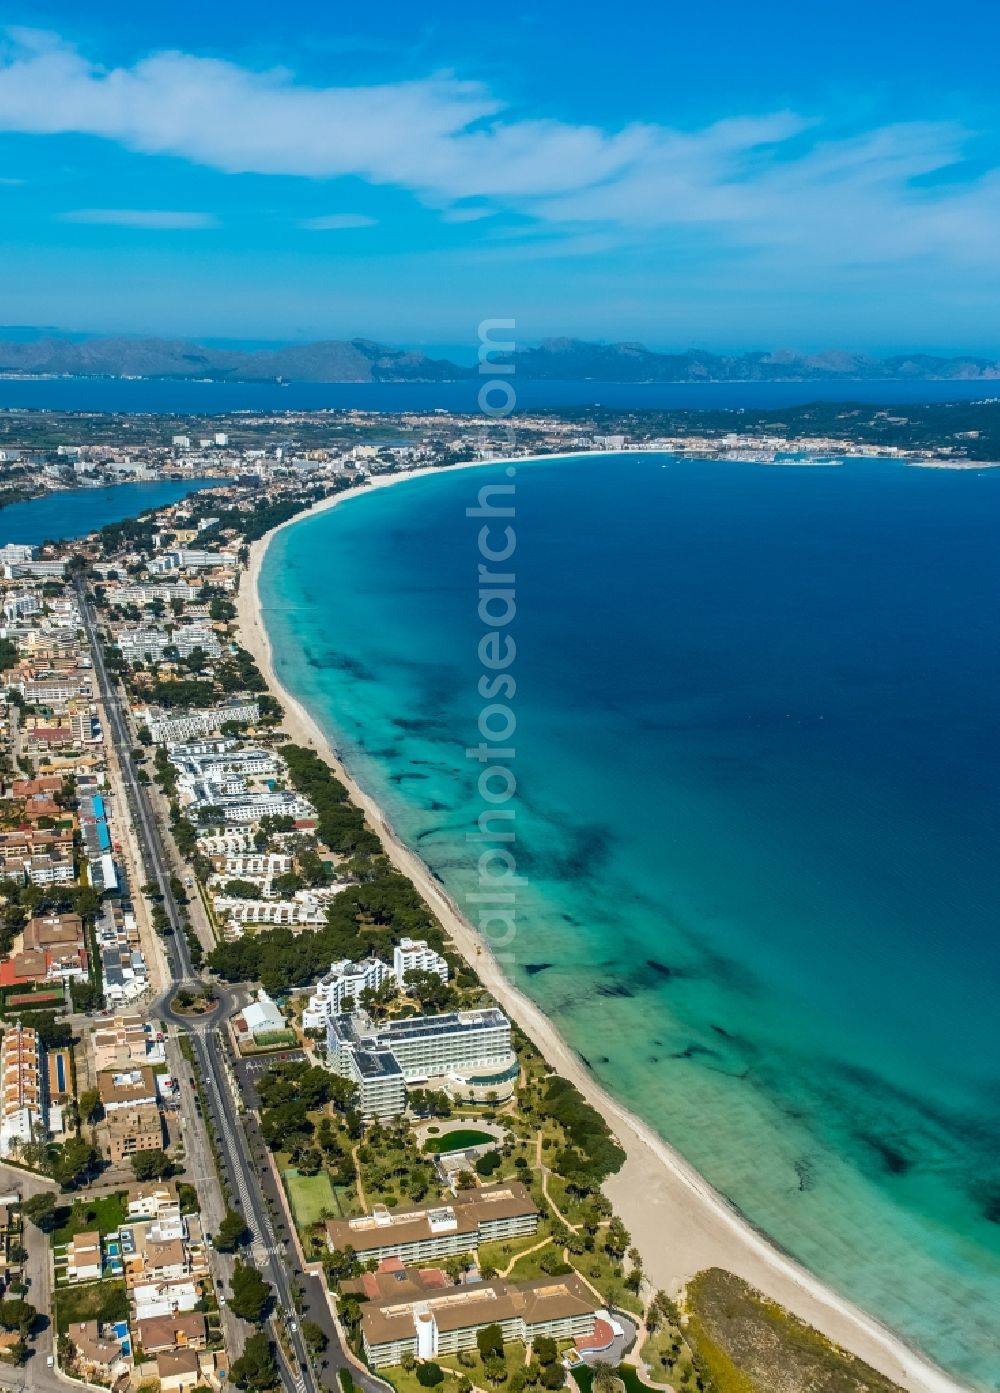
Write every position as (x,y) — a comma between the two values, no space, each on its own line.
(466,1053)
(346,980)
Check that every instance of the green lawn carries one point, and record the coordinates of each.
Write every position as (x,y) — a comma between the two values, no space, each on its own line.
(274,1040)
(499,1252)
(309,1196)
(530,1265)
(105,1215)
(100,1301)
(459,1140)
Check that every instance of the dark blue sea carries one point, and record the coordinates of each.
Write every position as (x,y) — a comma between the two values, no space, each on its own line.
(182,398)
(757,819)
(71,513)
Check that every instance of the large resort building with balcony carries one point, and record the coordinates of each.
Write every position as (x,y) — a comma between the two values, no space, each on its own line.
(437,1231)
(421,1313)
(467,1053)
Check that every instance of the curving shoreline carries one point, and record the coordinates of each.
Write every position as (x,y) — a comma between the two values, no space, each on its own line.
(681,1224)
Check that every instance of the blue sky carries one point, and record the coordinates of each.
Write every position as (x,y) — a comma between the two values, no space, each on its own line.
(723,176)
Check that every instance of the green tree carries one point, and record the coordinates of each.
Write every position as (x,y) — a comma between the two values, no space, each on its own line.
(489,1341)
(74,1163)
(315,1336)
(152,1165)
(250,1294)
(89,1103)
(17,1315)
(52,1032)
(617,1239)
(429,1375)
(233,1232)
(256,1367)
(553,1376)
(41,1210)
(545,1349)
(604,1378)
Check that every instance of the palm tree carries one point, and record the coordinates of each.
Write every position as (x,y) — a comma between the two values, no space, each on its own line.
(603,1378)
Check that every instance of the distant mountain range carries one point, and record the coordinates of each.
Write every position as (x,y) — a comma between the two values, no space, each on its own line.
(361,360)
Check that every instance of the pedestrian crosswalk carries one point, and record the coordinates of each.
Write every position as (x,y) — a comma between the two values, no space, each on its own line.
(265,1251)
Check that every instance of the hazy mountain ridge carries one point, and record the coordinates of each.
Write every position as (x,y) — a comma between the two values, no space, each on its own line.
(332,361)
(562,359)
(556,359)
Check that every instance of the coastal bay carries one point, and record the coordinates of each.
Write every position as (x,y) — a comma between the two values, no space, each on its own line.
(685,1239)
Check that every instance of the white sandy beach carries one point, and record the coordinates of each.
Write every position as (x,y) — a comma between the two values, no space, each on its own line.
(678,1222)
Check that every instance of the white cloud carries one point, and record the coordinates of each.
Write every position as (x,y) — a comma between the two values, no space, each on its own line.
(151,218)
(771,186)
(460,215)
(337,222)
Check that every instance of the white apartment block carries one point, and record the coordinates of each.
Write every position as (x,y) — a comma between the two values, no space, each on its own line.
(307,912)
(139,594)
(20,605)
(233,842)
(53,691)
(41,570)
(198,763)
(166,729)
(152,645)
(257,866)
(188,559)
(430,1047)
(22,1079)
(56,868)
(238,806)
(346,980)
(413,955)
(165,1298)
(13,552)
(412,1315)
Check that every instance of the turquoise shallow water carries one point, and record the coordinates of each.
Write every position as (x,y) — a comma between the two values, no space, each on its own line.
(757,819)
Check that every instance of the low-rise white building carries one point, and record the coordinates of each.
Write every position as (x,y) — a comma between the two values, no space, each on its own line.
(152,645)
(166,729)
(306,910)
